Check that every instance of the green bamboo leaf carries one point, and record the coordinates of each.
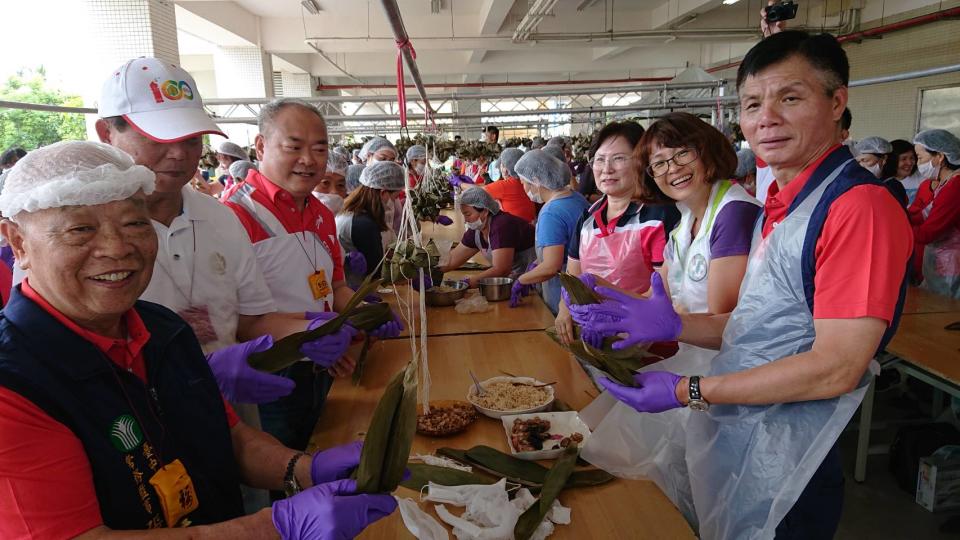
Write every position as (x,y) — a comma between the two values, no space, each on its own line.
(421,474)
(554,483)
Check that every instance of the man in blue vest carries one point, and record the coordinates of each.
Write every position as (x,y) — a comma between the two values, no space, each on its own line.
(822,294)
(111,417)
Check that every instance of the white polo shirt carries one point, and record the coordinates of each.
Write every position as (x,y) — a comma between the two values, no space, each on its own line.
(205,260)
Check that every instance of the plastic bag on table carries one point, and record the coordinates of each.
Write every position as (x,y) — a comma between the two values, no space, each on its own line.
(474,304)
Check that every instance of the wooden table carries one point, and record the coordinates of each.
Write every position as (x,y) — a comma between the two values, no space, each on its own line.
(925,350)
(634,509)
(531,314)
(923,301)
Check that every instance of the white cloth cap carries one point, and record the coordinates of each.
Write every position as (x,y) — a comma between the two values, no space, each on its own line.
(158,99)
(72,173)
(386,175)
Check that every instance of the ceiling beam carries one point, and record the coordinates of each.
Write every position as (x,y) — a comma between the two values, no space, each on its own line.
(492,15)
(606,53)
(476,56)
(233,19)
(675,13)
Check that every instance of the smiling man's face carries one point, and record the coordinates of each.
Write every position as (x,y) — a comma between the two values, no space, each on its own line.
(293,150)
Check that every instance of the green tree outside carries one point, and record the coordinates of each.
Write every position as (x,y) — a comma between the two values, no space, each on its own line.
(33,129)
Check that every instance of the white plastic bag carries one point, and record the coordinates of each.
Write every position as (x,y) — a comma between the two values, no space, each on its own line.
(473,304)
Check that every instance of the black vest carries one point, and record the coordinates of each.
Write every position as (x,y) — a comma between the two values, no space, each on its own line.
(128,428)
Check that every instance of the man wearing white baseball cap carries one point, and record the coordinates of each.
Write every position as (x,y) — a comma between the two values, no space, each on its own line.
(205,269)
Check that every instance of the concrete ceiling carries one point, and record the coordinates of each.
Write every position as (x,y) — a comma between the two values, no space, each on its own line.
(470,40)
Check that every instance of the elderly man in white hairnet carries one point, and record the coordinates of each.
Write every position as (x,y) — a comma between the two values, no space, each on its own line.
(110,415)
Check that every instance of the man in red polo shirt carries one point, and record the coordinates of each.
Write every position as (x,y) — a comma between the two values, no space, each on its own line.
(295,241)
(822,294)
(110,417)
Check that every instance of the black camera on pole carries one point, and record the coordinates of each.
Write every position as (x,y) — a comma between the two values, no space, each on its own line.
(782,11)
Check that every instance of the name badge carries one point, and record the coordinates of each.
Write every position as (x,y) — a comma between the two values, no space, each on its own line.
(318,284)
(177,495)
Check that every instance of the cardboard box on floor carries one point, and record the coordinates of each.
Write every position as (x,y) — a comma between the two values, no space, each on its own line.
(938,480)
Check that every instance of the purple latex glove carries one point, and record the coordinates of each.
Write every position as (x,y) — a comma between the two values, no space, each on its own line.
(444,220)
(643,320)
(591,338)
(517,292)
(655,391)
(466,281)
(330,511)
(356,263)
(326,350)
(427,281)
(389,329)
(335,463)
(588,279)
(459,179)
(239,382)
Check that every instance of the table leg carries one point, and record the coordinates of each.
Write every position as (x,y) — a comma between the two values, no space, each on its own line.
(937,406)
(863,435)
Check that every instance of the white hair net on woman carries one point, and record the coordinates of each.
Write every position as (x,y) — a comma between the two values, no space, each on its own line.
(873,145)
(386,175)
(940,140)
(746,163)
(353,176)
(540,168)
(239,169)
(509,158)
(478,197)
(232,149)
(72,173)
(417,151)
(555,151)
(337,163)
(370,147)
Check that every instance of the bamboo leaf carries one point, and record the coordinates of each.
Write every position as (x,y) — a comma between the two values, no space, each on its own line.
(554,483)
(421,474)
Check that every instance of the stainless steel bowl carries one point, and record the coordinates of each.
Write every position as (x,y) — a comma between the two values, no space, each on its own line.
(496,289)
(436,298)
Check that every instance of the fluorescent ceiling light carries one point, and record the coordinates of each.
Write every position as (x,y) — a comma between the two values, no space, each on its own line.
(313,7)
(730,2)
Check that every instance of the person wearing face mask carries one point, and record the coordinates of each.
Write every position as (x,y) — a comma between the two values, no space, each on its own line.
(935,213)
(618,240)
(547,180)
(364,224)
(416,164)
(509,191)
(377,149)
(332,189)
(902,166)
(505,239)
(872,154)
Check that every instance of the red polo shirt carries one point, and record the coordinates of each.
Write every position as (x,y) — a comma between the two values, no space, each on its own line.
(862,252)
(46,484)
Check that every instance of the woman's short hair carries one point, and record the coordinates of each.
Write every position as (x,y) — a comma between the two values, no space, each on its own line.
(900,147)
(631,131)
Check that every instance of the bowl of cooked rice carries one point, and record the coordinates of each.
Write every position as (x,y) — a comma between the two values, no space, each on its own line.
(511,395)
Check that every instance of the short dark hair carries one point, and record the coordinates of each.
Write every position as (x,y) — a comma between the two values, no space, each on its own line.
(900,147)
(684,130)
(118,123)
(270,110)
(822,51)
(493,129)
(846,119)
(12,155)
(457,137)
(629,130)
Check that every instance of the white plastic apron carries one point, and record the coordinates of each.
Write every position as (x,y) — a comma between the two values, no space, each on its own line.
(521,259)
(653,446)
(941,258)
(617,257)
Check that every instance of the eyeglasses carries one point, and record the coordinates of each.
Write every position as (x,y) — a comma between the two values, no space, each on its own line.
(616,162)
(683,157)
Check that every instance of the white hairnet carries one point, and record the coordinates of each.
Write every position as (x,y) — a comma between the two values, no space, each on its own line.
(374,144)
(479,198)
(537,142)
(337,163)
(353,176)
(873,145)
(940,140)
(72,173)
(540,168)
(383,175)
(417,151)
(555,151)
(239,169)
(746,163)
(559,140)
(232,149)
(509,158)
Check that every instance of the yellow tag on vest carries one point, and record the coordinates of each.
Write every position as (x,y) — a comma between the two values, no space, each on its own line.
(318,284)
(175,488)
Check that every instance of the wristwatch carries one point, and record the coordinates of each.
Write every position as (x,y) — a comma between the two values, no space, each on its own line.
(290,485)
(696,403)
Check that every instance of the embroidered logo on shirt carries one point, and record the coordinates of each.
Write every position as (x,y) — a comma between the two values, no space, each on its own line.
(698,267)
(125,433)
(218,263)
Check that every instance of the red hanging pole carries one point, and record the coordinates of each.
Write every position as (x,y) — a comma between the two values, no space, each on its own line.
(401,86)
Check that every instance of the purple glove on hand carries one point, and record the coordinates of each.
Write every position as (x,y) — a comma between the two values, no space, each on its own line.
(326,350)
(591,338)
(239,382)
(389,329)
(656,391)
(459,179)
(466,281)
(589,280)
(335,463)
(643,320)
(517,292)
(356,263)
(330,511)
(444,220)
(427,281)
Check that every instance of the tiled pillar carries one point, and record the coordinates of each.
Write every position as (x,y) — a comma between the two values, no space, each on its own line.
(296,84)
(242,72)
